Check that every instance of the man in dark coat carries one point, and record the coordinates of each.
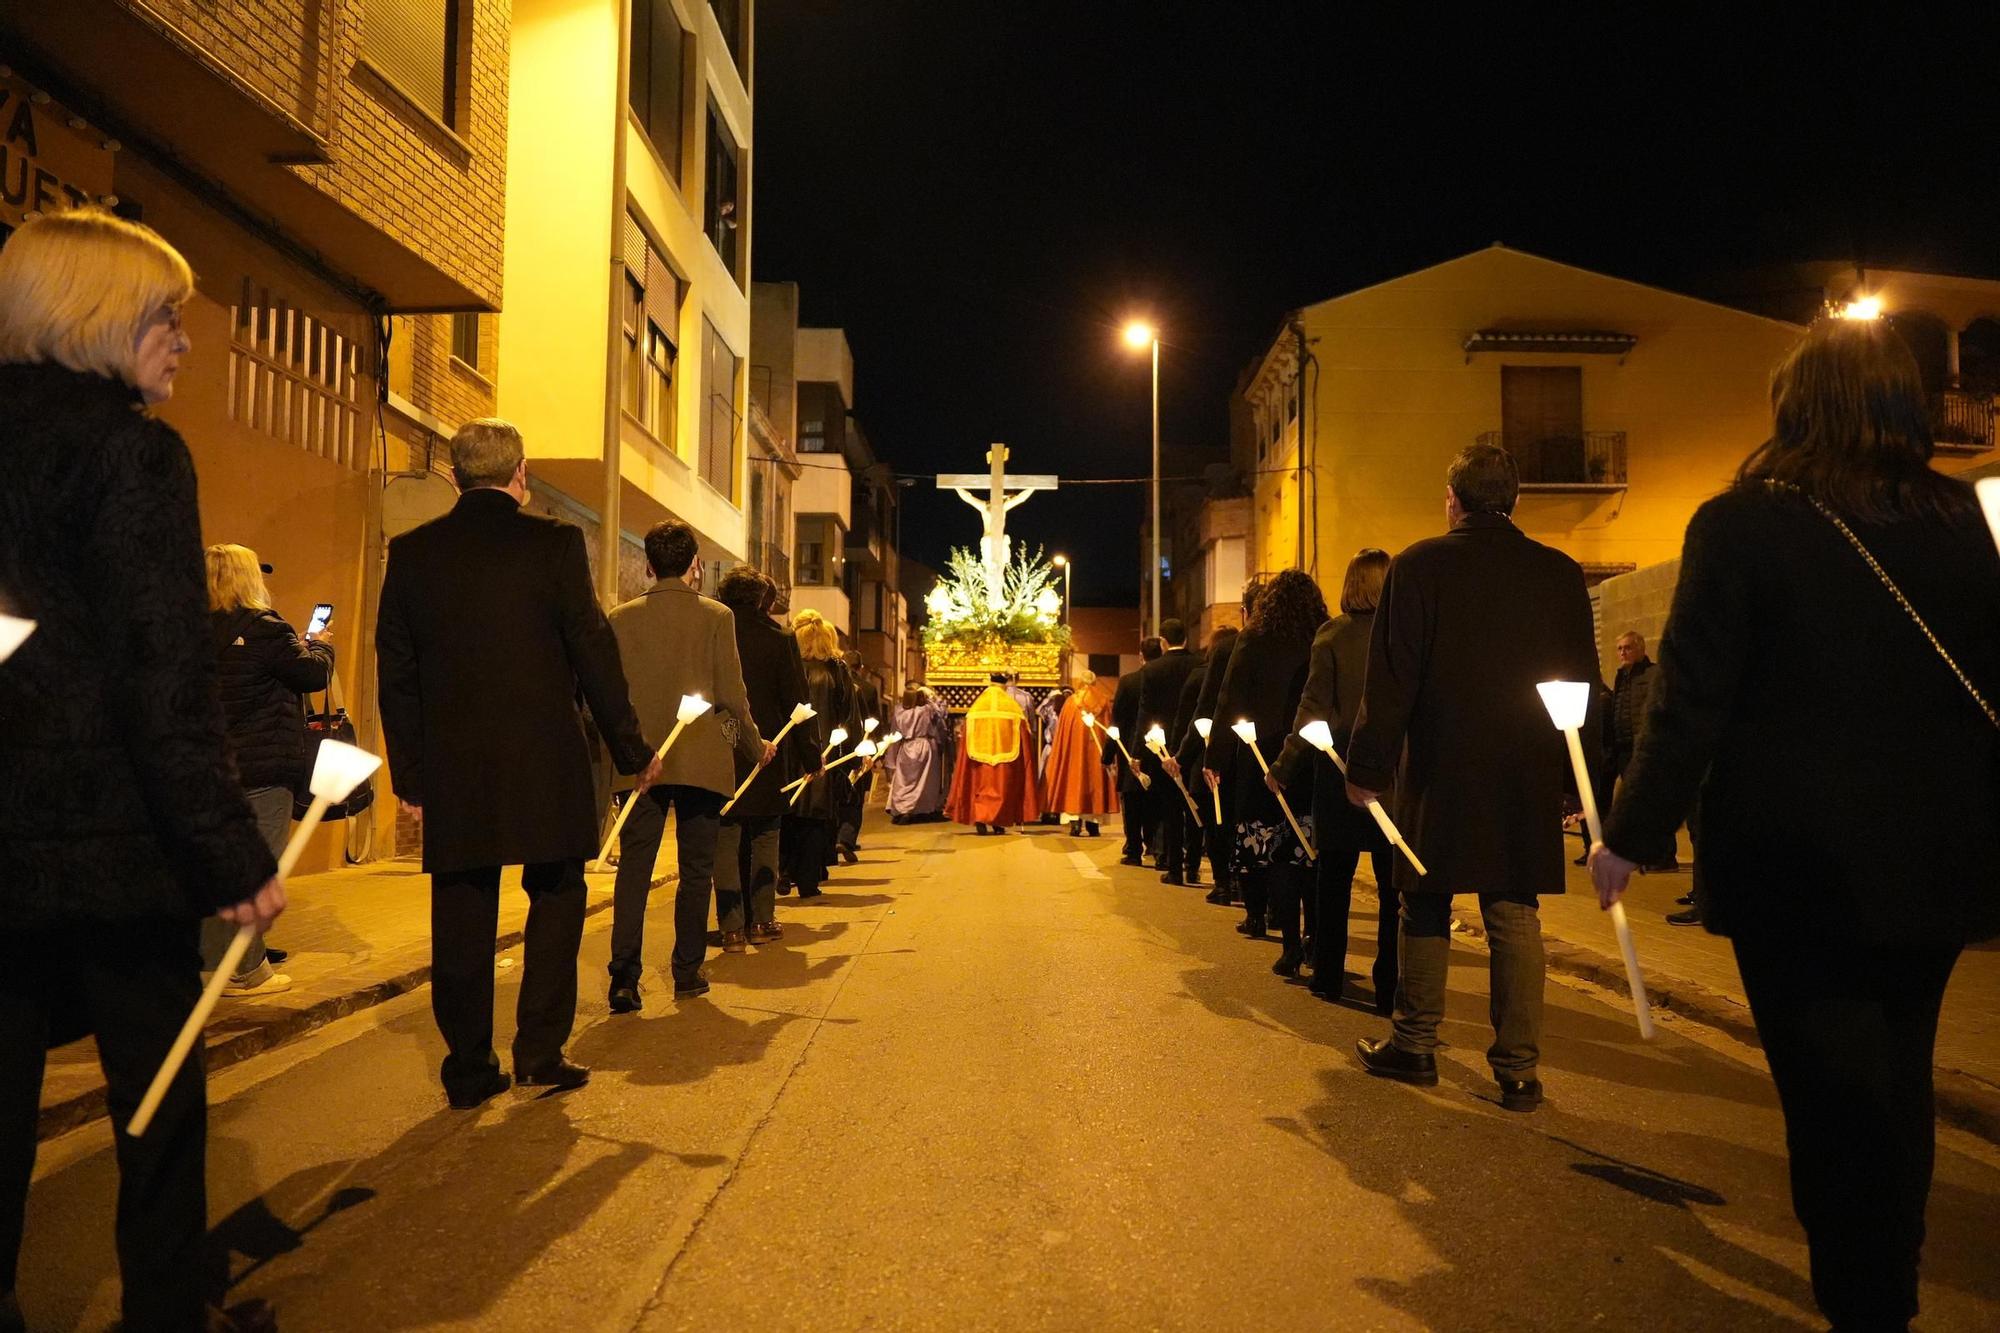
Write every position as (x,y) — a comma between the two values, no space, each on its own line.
(488,629)
(1133,797)
(854,794)
(1160,682)
(1193,760)
(1468,625)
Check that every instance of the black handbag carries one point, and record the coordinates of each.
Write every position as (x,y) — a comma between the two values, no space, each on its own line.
(331,723)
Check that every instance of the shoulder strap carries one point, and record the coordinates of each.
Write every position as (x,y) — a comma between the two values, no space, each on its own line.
(1896,592)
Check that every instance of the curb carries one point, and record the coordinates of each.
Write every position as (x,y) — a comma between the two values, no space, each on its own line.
(74,1112)
(1964,1102)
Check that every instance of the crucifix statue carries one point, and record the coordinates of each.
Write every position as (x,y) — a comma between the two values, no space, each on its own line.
(993,545)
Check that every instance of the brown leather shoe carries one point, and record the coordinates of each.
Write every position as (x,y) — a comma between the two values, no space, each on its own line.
(766,932)
(734,941)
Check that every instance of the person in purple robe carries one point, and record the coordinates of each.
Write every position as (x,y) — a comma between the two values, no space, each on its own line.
(918,767)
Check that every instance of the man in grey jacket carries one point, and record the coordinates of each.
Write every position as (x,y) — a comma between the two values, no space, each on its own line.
(675,642)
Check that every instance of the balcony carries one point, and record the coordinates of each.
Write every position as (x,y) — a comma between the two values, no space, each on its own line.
(774,561)
(1588,461)
(1962,422)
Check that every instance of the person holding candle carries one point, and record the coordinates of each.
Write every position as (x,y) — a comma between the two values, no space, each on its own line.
(806,838)
(1219,833)
(854,791)
(1267,674)
(1160,682)
(1849,865)
(1079,787)
(1134,797)
(1468,624)
(1178,733)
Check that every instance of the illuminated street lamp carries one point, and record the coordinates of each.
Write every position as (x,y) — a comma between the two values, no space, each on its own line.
(1139,334)
(1062,562)
(1867,307)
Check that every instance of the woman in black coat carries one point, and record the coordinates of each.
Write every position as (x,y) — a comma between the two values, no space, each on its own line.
(1266,676)
(1850,835)
(810,822)
(121,823)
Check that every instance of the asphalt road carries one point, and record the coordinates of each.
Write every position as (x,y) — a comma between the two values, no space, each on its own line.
(996,1083)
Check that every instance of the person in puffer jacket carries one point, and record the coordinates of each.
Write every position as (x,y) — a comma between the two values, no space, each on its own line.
(263,672)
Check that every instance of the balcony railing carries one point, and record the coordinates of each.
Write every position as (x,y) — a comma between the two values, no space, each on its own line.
(1591,460)
(1962,420)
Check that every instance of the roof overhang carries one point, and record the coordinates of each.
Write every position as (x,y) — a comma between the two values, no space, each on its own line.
(1580,342)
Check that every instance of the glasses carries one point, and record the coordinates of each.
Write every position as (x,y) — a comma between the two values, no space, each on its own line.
(168,315)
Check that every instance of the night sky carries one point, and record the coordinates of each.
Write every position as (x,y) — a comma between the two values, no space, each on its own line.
(981,193)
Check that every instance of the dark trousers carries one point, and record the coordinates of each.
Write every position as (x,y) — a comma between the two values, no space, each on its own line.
(1178,845)
(1345,833)
(1285,890)
(465,914)
(135,985)
(1136,804)
(697,827)
(1516,970)
(746,872)
(1219,834)
(853,801)
(1850,1032)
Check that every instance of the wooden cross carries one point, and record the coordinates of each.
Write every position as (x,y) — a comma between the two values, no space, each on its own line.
(993,509)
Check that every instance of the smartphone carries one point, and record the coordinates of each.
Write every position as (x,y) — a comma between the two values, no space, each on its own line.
(321,614)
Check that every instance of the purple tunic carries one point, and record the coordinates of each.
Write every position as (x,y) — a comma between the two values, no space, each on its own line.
(918,773)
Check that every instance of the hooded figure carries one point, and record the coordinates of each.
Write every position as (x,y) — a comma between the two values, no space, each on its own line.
(995,781)
(1079,783)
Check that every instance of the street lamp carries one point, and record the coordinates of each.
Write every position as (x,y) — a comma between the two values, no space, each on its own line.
(1062,562)
(1139,334)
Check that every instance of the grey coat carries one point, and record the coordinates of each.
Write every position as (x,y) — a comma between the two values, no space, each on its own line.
(674,641)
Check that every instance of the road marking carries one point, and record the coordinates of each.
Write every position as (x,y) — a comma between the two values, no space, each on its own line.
(1085,866)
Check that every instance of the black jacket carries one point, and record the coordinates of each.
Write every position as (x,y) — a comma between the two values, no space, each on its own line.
(774,676)
(1125,717)
(264,669)
(1193,751)
(488,630)
(1858,796)
(117,800)
(1160,682)
(1333,690)
(1469,623)
(1630,693)
(1265,679)
(830,689)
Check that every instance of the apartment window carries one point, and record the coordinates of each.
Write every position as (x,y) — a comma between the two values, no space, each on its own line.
(720,370)
(724,212)
(295,378)
(414,45)
(815,558)
(729,17)
(651,317)
(661,53)
(1541,421)
(465,339)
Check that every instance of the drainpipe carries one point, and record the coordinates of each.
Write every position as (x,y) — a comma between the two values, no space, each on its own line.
(609,542)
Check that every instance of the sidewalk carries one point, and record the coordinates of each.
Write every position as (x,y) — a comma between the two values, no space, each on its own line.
(356,937)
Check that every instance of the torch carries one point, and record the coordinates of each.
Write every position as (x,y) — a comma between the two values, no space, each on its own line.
(1567,702)
(1989,500)
(1246,731)
(337,770)
(889,739)
(1204,725)
(1320,736)
(1156,741)
(800,712)
(1145,783)
(692,707)
(14,632)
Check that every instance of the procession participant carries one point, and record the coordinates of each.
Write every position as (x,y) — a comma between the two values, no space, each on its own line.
(854,791)
(1135,799)
(994,786)
(1160,684)
(918,769)
(1217,835)
(806,838)
(1332,693)
(774,676)
(488,628)
(1849,865)
(121,822)
(674,643)
(1469,623)
(1267,674)
(1079,786)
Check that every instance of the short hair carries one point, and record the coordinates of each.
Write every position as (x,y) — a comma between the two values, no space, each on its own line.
(1361,590)
(1173,631)
(817,641)
(235,579)
(1218,634)
(78,287)
(671,547)
(1150,647)
(744,588)
(1485,479)
(1253,588)
(1638,639)
(852,657)
(486,451)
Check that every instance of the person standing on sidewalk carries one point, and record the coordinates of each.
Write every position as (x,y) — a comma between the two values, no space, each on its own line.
(1468,625)
(675,642)
(1848,864)
(1160,682)
(264,671)
(121,822)
(806,836)
(488,628)
(1136,801)
(854,794)
(774,678)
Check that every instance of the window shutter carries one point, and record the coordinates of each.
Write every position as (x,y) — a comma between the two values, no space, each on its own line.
(663,297)
(409,41)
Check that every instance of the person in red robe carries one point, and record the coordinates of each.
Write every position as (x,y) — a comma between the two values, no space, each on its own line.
(994,785)
(1080,786)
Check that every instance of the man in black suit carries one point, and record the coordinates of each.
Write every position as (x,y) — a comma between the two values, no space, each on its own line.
(1469,623)
(1133,797)
(854,795)
(1160,682)
(488,629)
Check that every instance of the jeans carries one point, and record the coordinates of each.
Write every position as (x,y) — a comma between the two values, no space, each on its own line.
(465,914)
(135,984)
(1516,972)
(746,872)
(273,808)
(698,816)
(1850,1031)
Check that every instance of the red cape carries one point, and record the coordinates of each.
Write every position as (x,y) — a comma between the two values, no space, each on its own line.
(995,793)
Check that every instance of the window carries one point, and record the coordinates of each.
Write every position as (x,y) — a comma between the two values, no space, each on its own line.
(651,318)
(295,377)
(729,17)
(465,339)
(719,424)
(660,56)
(816,562)
(1541,421)
(724,215)
(414,45)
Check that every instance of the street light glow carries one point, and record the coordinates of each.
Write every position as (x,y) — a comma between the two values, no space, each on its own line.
(1868,307)
(1139,334)
(1058,560)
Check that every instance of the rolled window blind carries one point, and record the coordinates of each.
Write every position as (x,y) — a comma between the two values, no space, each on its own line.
(410,42)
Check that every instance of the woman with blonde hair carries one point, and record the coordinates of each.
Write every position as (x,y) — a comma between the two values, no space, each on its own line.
(265,671)
(807,835)
(121,824)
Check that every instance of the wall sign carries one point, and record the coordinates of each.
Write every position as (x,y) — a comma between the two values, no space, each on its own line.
(50,159)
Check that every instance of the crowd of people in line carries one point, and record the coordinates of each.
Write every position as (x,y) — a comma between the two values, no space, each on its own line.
(1847,819)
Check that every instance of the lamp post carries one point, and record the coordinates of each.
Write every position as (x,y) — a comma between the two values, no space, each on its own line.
(1062,562)
(1140,334)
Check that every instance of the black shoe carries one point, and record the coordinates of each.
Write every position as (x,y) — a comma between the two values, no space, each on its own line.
(687,990)
(1288,962)
(1583,860)
(847,855)
(561,1075)
(1520,1094)
(805,894)
(276,956)
(1194,879)
(1220,896)
(1092,831)
(1130,861)
(469,1096)
(1388,1061)
(1253,927)
(625,995)
(1691,917)
(1171,878)
(1685,900)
